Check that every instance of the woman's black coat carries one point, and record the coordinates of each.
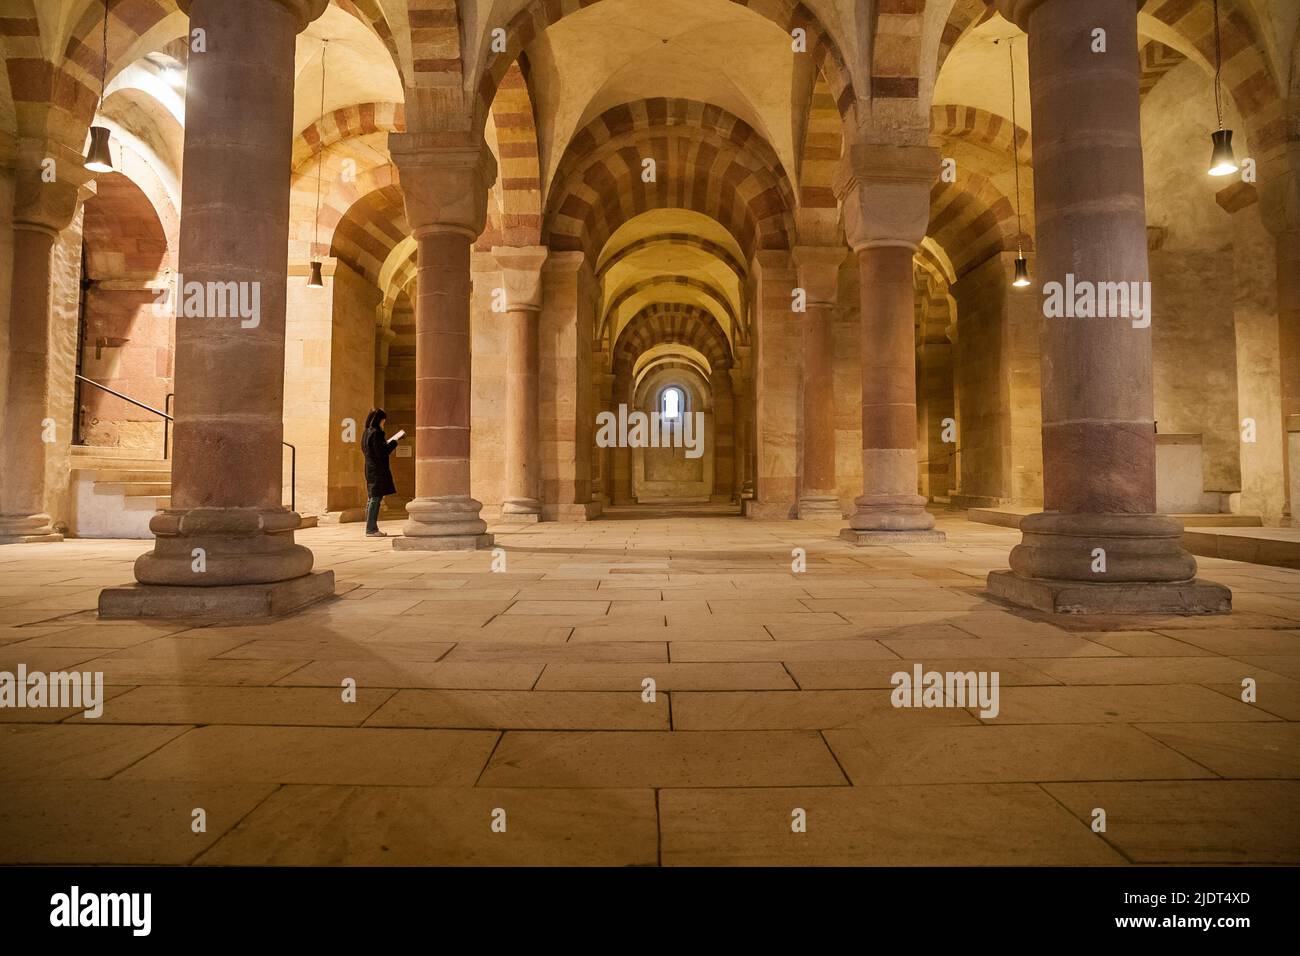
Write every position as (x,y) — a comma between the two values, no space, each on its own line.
(379,477)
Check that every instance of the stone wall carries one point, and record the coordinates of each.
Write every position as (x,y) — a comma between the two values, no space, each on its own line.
(488,388)
(996,365)
(778,345)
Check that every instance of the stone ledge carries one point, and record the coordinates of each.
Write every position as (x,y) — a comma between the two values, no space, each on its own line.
(451,542)
(51,538)
(885,539)
(1080,597)
(224,601)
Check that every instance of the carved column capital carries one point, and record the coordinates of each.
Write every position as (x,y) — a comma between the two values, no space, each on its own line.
(885,191)
(445,179)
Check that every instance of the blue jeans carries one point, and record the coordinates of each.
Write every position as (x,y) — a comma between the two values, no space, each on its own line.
(372,514)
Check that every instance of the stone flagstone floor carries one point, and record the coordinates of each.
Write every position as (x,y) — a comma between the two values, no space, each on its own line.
(521,691)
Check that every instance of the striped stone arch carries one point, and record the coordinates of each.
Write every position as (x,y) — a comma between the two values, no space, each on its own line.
(981,128)
(973,219)
(1247,76)
(964,17)
(359,119)
(135,28)
(370,229)
(673,323)
(534,19)
(660,281)
(822,145)
(717,250)
(706,159)
(515,209)
(340,189)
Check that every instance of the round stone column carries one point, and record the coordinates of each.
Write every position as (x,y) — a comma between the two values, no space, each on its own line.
(227,525)
(1098,535)
(521,272)
(41,211)
(819,271)
(445,181)
(885,191)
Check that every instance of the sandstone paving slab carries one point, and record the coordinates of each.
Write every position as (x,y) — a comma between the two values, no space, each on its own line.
(94,636)
(45,659)
(457,612)
(968,825)
(443,675)
(802,710)
(851,675)
(844,632)
(479,651)
(1027,647)
(704,631)
(628,677)
(335,649)
(53,715)
(1145,644)
(122,823)
(306,706)
(1284,665)
(77,752)
(428,826)
(804,618)
(216,671)
(653,759)
(1257,750)
(1235,643)
(741,651)
(890,754)
(329,755)
(523,710)
(1193,822)
(189,647)
(1148,670)
(1121,704)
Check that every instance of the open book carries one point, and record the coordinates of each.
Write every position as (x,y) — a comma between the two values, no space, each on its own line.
(398,436)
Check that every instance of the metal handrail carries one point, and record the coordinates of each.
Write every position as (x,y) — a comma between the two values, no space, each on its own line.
(167,419)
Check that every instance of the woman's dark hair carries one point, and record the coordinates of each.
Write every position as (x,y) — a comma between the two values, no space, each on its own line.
(375,418)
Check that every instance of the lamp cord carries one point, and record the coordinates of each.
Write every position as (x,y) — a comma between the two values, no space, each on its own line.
(320,167)
(1218,67)
(103,69)
(1015,154)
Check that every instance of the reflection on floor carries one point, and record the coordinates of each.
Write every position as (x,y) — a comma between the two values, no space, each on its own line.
(519,699)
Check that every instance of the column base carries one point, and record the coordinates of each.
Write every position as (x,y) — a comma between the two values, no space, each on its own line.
(769,510)
(447,542)
(1083,597)
(886,539)
(521,509)
(223,547)
(890,513)
(219,603)
(585,511)
(27,529)
(527,517)
(820,507)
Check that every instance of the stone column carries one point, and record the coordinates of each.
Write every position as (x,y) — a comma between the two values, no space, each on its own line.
(606,455)
(227,525)
(743,480)
(445,182)
(885,191)
(724,425)
(819,277)
(1098,546)
(521,271)
(41,211)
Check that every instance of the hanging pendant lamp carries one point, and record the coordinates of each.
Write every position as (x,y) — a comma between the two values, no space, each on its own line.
(99,159)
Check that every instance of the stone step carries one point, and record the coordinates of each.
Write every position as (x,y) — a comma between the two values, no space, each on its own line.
(115,451)
(120,475)
(136,489)
(1278,547)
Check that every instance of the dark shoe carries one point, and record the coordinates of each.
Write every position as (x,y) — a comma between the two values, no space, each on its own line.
(376,534)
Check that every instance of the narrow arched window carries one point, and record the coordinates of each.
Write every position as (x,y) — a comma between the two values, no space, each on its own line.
(670,404)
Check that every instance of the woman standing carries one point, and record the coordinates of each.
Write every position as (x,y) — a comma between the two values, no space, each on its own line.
(376,447)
